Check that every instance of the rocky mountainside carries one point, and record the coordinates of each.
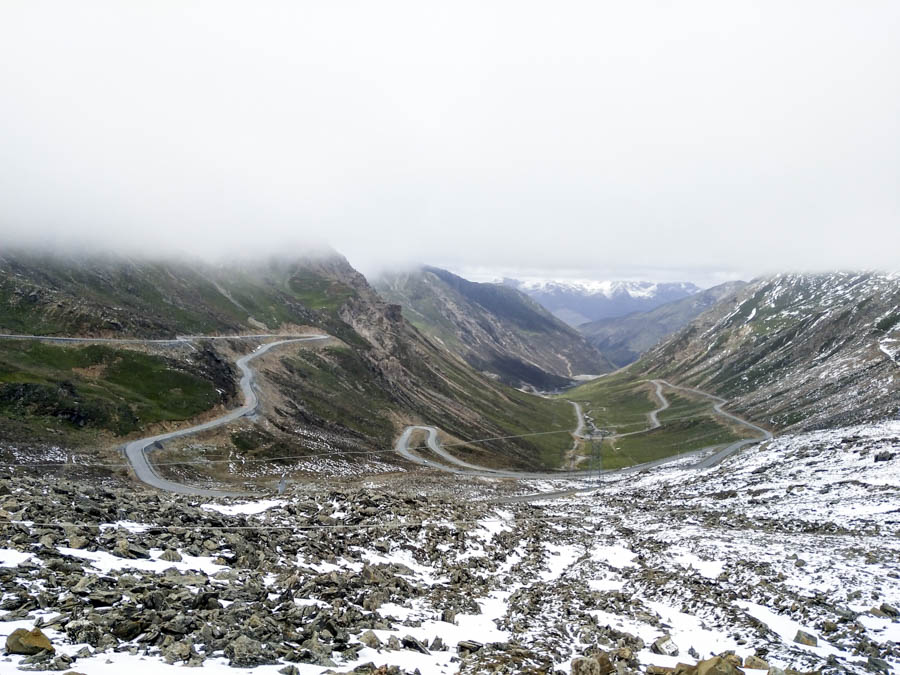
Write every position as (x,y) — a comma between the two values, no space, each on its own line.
(495,328)
(796,350)
(581,301)
(783,560)
(349,395)
(624,339)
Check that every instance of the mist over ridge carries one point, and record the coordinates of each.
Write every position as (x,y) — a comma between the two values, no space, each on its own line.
(594,142)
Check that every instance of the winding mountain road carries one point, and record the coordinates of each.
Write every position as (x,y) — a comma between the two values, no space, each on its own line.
(663,404)
(137,451)
(718,402)
(457,466)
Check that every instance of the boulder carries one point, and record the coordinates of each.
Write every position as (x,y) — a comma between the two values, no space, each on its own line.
(370,640)
(245,652)
(77,542)
(178,651)
(409,642)
(170,555)
(664,646)
(803,638)
(756,663)
(464,647)
(603,660)
(584,665)
(83,631)
(877,665)
(718,665)
(22,641)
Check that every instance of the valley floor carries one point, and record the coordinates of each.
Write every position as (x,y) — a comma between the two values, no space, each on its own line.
(431,572)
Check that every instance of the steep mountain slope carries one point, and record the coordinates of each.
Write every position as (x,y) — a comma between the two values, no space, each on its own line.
(624,339)
(351,394)
(494,328)
(581,301)
(804,351)
(114,297)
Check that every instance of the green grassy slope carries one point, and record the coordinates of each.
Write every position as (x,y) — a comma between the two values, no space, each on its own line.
(46,295)
(97,387)
(619,404)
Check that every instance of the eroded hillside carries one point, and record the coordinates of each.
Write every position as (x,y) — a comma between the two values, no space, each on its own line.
(495,328)
(801,351)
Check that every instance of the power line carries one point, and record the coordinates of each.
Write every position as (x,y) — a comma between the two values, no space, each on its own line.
(502,438)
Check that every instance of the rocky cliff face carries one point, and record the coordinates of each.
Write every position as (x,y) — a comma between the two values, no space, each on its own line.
(802,351)
(496,329)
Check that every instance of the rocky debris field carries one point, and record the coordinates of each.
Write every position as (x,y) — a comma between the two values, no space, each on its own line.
(785,558)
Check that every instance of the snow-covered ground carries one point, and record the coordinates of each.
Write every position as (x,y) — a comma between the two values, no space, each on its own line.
(799,534)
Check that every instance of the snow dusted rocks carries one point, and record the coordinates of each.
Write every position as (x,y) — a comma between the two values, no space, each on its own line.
(716,570)
(28,642)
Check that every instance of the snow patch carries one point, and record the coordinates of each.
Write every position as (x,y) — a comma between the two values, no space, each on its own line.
(245,509)
(9,557)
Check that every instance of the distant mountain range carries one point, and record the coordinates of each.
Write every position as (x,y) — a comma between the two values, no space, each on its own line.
(581,301)
(623,339)
(495,328)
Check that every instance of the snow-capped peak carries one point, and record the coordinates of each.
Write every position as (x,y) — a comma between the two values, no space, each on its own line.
(609,288)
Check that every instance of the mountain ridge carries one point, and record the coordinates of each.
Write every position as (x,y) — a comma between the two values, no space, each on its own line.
(350,395)
(795,351)
(494,328)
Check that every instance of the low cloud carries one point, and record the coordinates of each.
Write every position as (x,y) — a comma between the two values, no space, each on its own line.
(706,141)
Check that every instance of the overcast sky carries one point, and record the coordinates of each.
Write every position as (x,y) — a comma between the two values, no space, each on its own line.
(673,140)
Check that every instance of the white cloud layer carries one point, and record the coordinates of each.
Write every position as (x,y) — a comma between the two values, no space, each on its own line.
(715,138)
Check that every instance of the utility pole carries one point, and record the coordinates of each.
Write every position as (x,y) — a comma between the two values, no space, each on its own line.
(597,452)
